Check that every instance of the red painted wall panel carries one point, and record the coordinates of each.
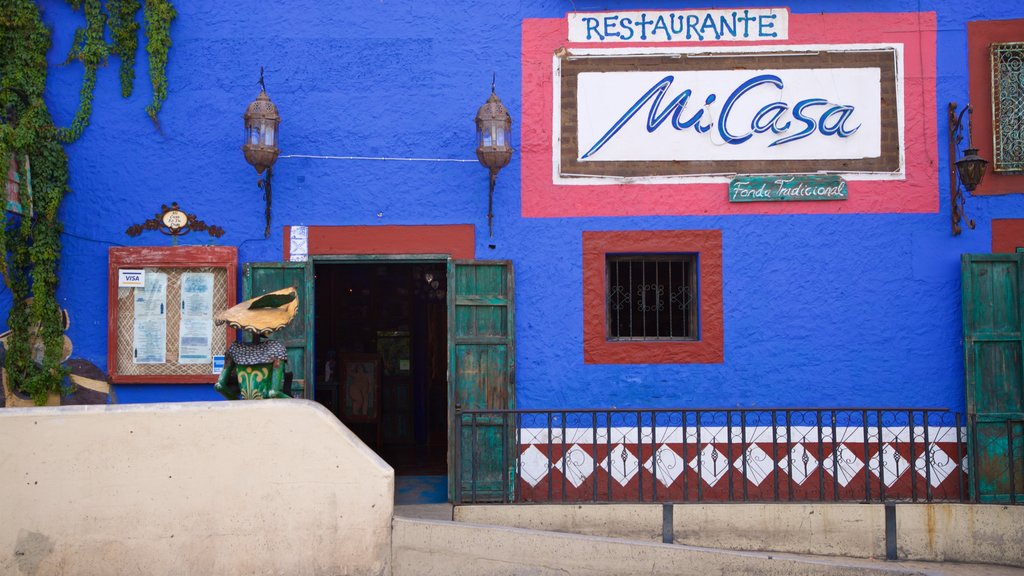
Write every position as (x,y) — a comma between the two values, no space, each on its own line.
(456,240)
(979,35)
(917,192)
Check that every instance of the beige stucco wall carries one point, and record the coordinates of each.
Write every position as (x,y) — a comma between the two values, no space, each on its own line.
(633,521)
(433,548)
(856,530)
(952,532)
(961,533)
(262,487)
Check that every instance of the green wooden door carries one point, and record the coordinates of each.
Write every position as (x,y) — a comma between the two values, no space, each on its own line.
(994,374)
(481,377)
(262,277)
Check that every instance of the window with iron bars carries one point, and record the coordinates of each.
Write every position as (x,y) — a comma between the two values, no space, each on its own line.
(652,297)
(1008,106)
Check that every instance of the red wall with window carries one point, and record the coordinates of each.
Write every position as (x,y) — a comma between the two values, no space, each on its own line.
(708,349)
(980,35)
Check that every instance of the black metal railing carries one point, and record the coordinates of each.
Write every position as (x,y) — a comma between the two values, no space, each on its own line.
(730,455)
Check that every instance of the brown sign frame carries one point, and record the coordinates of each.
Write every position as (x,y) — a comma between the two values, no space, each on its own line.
(572,65)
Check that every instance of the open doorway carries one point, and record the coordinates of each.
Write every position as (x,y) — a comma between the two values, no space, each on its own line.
(381,337)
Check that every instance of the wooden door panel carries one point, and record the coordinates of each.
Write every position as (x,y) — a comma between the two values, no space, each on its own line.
(482,376)
(994,372)
(997,385)
(262,277)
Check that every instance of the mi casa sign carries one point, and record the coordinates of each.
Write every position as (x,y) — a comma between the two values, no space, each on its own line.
(686,113)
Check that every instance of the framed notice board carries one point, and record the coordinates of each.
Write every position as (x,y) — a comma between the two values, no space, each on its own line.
(161,303)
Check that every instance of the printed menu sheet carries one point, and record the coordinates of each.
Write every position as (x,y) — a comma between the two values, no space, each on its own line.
(150,327)
(196,328)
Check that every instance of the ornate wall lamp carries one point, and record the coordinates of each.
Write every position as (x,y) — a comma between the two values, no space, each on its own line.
(970,167)
(494,143)
(260,147)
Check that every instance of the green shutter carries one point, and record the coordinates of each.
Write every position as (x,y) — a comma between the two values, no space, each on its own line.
(482,375)
(994,374)
(262,277)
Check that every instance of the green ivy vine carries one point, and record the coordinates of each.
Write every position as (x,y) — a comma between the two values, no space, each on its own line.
(30,245)
(125,34)
(159,14)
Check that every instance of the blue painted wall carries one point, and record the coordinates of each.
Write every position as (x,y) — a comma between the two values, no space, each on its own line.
(846,310)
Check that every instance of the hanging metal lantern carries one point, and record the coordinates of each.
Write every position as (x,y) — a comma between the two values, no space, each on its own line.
(971,168)
(260,147)
(494,143)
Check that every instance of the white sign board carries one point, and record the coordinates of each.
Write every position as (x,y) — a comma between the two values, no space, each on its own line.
(131,278)
(707,115)
(737,25)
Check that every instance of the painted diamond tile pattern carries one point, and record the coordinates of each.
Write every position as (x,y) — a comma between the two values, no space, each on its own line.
(937,462)
(533,465)
(803,463)
(670,465)
(893,465)
(682,467)
(759,464)
(847,467)
(578,465)
(623,464)
(711,465)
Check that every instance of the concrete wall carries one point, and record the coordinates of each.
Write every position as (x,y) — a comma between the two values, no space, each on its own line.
(272,487)
(961,533)
(943,532)
(425,548)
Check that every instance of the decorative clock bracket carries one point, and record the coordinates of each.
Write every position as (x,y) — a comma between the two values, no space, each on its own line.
(173,222)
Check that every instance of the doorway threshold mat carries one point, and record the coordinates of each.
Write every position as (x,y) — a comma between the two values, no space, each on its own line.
(421,490)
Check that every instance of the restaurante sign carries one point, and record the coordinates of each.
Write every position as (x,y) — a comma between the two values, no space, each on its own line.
(679,25)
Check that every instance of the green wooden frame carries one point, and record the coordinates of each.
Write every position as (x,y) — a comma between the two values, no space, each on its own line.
(982,326)
(306,292)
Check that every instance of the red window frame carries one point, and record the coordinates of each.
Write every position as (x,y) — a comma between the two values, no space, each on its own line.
(708,349)
(165,257)
(981,34)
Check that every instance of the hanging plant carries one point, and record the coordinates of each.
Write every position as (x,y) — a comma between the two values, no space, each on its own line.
(125,32)
(30,243)
(159,14)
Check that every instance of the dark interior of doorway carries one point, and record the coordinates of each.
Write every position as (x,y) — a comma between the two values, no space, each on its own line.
(382,357)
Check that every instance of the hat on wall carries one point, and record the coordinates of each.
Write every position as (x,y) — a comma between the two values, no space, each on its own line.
(264,314)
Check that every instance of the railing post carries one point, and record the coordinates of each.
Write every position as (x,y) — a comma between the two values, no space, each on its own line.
(775,454)
(458,454)
(867,456)
(960,458)
(639,455)
(927,461)
(686,459)
(565,457)
(1011,461)
(972,456)
(700,469)
(474,457)
(913,461)
(654,456)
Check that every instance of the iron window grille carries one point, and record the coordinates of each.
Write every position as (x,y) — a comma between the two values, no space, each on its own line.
(1008,106)
(652,297)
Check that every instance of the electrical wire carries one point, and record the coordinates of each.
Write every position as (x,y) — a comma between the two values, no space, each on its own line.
(376,158)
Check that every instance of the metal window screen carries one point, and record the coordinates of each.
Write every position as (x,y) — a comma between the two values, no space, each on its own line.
(126,320)
(1008,106)
(652,297)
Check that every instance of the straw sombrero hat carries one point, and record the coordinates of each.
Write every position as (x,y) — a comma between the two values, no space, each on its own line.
(263,314)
